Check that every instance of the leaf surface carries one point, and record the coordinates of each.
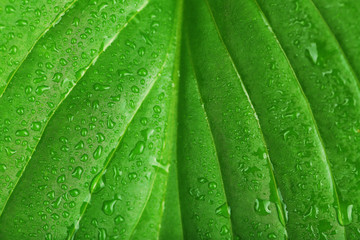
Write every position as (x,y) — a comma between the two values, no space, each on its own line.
(332,89)
(130,104)
(48,74)
(22,24)
(166,119)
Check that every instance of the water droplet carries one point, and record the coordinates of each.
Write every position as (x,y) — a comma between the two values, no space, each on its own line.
(57,77)
(51,195)
(84,132)
(9,151)
(157,109)
(212,185)
(79,145)
(102,234)
(224,230)
(118,219)
(108,207)
(22,133)
(55,216)
(141,51)
(63,61)
(110,123)
(78,171)
(223,211)
(9,9)
(100,137)
(137,150)
(100,87)
(79,74)
(262,207)
(345,214)
(142,72)
(132,175)
(84,157)
(41,89)
(135,89)
(56,203)
(312,53)
(76,21)
(61,179)
(97,153)
(21,23)
(36,126)
(13,50)
(74,192)
(2,167)
(98,183)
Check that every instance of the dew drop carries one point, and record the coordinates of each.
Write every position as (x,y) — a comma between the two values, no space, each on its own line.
(262,207)
(118,219)
(97,183)
(77,173)
(223,211)
(22,133)
(61,179)
(142,72)
(98,151)
(2,167)
(74,192)
(108,207)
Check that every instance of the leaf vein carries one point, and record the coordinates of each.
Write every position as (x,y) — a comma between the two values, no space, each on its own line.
(342,52)
(270,165)
(208,125)
(119,142)
(52,24)
(328,165)
(57,107)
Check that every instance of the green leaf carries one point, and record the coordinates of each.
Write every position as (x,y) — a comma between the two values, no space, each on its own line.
(26,22)
(121,108)
(166,119)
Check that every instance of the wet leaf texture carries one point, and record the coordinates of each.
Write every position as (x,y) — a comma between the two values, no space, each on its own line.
(164,119)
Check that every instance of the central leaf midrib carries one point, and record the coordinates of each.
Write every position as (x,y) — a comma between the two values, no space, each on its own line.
(62,100)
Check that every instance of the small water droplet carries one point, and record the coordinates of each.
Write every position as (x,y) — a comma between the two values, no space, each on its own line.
(61,179)
(312,52)
(98,183)
(21,23)
(2,167)
(262,207)
(98,151)
(118,219)
(77,173)
(22,133)
(100,87)
(157,109)
(108,207)
(74,192)
(142,72)
(223,211)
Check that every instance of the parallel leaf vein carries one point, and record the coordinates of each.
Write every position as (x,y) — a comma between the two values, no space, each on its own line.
(57,107)
(328,165)
(342,52)
(52,24)
(209,126)
(270,165)
(111,156)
